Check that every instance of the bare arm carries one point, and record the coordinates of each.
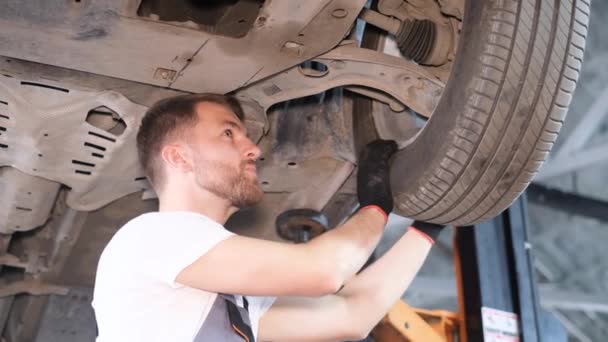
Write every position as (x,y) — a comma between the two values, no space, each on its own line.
(264,268)
(247,266)
(370,299)
(355,310)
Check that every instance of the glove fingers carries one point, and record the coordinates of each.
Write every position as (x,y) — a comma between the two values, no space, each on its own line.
(379,150)
(373,179)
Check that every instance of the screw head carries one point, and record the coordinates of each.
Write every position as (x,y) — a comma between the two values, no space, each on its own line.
(339,13)
(164,74)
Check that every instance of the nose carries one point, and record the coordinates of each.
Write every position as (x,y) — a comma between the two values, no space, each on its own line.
(252,151)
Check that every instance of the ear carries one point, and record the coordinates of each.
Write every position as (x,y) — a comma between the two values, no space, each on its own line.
(177,157)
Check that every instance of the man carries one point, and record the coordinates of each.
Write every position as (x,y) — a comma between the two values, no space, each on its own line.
(164,275)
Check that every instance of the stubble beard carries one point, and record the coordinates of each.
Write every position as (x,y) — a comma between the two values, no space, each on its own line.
(224,181)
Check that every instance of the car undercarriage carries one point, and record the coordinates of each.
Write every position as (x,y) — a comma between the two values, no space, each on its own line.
(447,79)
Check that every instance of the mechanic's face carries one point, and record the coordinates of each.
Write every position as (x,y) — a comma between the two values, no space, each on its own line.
(224,156)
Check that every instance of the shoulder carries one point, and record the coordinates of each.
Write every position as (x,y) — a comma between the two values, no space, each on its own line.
(167,230)
(176,231)
(161,244)
(174,222)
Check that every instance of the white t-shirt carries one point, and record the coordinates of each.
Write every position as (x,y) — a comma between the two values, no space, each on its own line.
(136,297)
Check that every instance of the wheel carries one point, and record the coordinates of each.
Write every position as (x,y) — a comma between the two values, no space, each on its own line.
(506,99)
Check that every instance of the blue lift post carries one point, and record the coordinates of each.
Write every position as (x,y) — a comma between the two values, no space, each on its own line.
(495,272)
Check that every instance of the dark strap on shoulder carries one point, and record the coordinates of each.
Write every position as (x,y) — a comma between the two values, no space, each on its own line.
(239,318)
(226,322)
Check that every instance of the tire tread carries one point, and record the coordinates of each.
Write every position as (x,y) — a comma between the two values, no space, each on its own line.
(543,66)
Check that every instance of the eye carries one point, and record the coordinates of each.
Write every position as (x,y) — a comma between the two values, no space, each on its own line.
(228,133)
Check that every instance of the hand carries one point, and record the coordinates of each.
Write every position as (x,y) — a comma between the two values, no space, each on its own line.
(429,230)
(373,177)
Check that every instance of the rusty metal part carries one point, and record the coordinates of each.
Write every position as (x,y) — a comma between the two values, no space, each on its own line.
(67,34)
(394,105)
(389,24)
(367,113)
(309,152)
(416,38)
(404,323)
(402,128)
(412,9)
(420,40)
(227,18)
(407,82)
(302,156)
(32,287)
(44,251)
(31,199)
(453,8)
(394,8)
(300,225)
(5,309)
(341,206)
(317,194)
(47,250)
(422,18)
(12,261)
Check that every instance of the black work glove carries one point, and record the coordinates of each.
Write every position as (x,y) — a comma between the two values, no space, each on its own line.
(431,230)
(373,178)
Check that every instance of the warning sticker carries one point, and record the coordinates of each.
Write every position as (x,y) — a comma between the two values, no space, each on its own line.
(499,326)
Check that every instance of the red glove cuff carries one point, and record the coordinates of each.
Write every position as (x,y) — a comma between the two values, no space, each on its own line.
(428,238)
(375,207)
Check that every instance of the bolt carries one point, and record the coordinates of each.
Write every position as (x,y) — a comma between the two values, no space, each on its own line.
(293,48)
(339,13)
(304,234)
(164,74)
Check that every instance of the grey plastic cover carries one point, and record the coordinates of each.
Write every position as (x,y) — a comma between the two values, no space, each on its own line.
(44,133)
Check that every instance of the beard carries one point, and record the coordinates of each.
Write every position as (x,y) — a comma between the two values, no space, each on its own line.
(223,180)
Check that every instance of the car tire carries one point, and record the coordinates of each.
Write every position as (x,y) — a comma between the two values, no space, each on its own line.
(500,113)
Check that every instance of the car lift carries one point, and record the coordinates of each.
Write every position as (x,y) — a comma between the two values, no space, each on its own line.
(497,294)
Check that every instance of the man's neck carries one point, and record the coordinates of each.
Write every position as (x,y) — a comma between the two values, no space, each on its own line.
(205,203)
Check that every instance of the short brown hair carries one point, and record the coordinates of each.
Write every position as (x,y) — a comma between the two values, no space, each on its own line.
(169,117)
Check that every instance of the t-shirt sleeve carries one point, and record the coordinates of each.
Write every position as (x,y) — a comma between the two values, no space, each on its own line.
(173,241)
(266,304)
(263,304)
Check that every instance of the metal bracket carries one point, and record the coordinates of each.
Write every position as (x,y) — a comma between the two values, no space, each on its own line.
(316,196)
(412,324)
(12,261)
(32,287)
(419,9)
(347,65)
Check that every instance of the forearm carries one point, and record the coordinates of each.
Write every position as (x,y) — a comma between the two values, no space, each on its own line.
(372,293)
(346,248)
(351,313)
